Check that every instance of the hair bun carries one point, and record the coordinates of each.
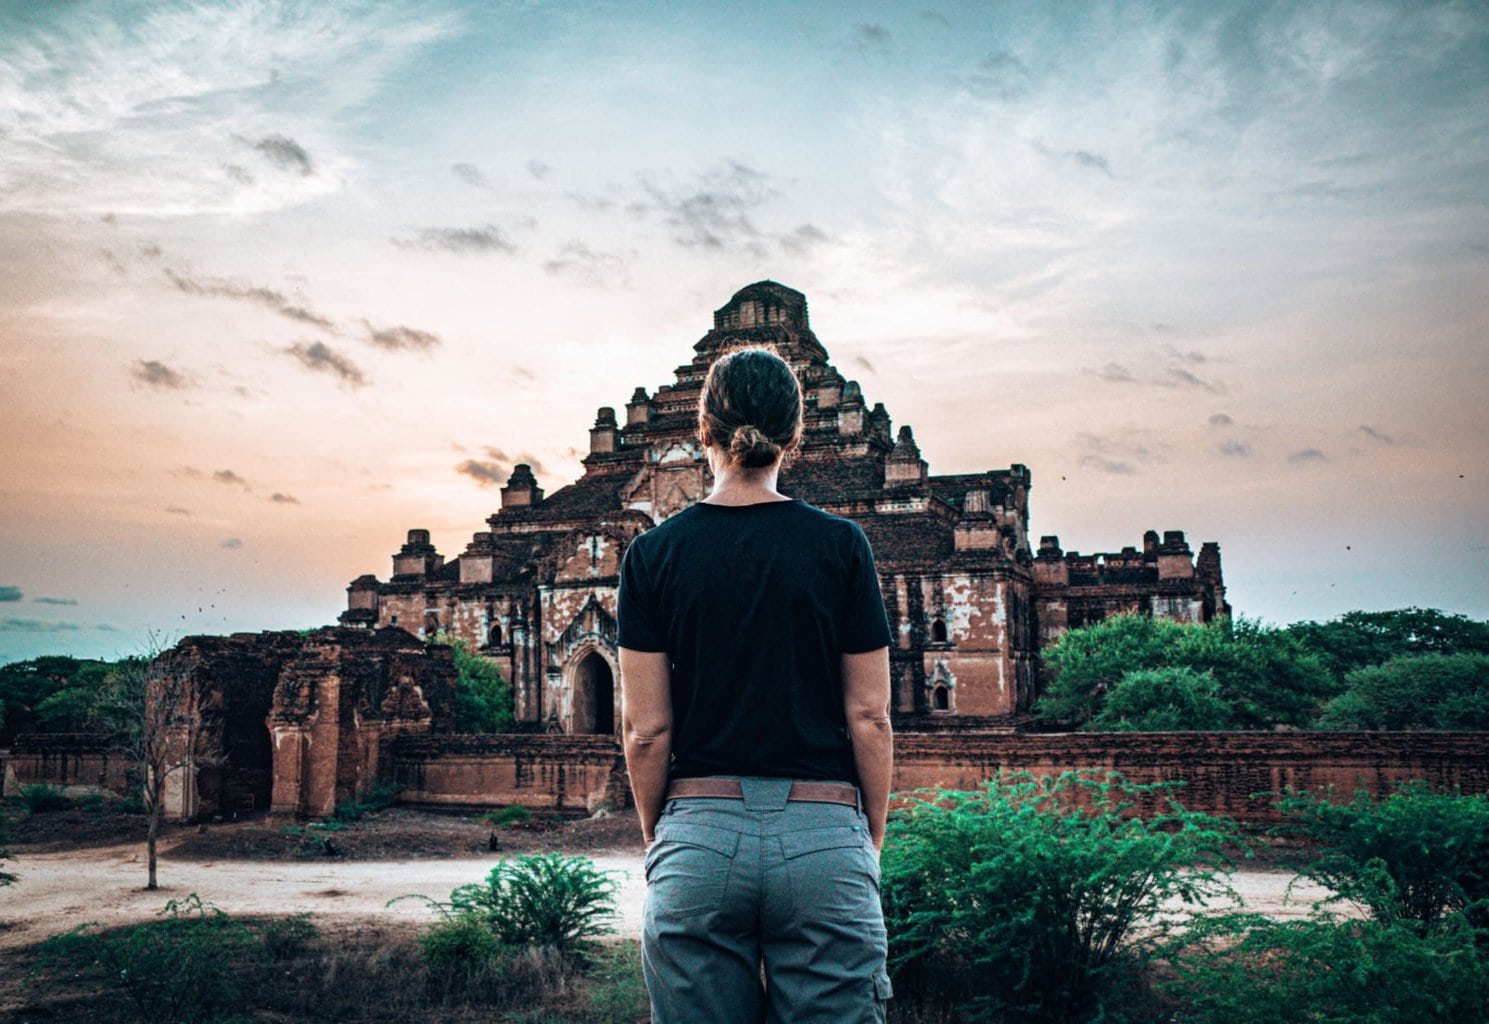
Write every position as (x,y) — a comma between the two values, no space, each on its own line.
(751,447)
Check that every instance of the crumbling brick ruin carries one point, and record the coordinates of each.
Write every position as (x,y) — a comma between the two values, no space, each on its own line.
(970,602)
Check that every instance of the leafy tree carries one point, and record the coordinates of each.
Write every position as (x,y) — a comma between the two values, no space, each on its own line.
(1359,639)
(1163,699)
(1428,691)
(483,699)
(1033,899)
(1262,674)
(49,694)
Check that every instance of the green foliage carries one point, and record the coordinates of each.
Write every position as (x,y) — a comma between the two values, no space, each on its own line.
(1414,856)
(1247,969)
(174,971)
(1161,699)
(1262,675)
(483,699)
(459,944)
(380,797)
(1034,899)
(50,694)
(539,900)
(1426,691)
(40,797)
(287,938)
(1359,639)
(514,815)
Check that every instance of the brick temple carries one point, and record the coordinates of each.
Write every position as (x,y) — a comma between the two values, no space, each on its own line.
(969,599)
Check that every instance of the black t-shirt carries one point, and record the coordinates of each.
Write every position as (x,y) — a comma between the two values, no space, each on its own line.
(755,604)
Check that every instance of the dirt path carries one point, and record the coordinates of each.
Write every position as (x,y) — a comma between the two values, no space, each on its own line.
(58,891)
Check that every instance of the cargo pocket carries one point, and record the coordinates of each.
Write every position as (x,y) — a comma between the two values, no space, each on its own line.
(883,993)
(687,868)
(834,874)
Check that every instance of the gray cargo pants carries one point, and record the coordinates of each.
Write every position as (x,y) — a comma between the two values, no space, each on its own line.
(734,883)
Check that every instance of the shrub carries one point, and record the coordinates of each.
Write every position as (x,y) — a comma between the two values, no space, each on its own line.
(483,699)
(1248,969)
(1035,900)
(514,815)
(1428,691)
(380,797)
(1414,855)
(181,969)
(1162,699)
(287,938)
(40,797)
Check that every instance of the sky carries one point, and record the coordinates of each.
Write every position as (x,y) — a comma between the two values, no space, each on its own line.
(280,281)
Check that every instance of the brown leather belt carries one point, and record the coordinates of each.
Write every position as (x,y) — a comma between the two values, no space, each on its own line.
(729,789)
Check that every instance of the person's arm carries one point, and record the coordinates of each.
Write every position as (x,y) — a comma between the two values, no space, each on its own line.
(866,704)
(646,730)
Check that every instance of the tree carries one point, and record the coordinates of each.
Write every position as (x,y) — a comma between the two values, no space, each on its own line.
(1164,699)
(1359,639)
(1262,675)
(152,704)
(1429,691)
(54,693)
(483,699)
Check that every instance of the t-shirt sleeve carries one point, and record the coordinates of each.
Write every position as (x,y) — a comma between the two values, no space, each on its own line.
(638,619)
(865,626)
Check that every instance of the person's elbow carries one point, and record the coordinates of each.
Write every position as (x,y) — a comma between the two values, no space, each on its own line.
(646,732)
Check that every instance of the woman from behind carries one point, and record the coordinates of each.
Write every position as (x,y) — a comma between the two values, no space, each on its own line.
(755,682)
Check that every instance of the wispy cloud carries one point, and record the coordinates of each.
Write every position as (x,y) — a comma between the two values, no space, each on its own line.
(1115,373)
(1377,436)
(577,260)
(284,499)
(1106,465)
(227,476)
(286,154)
(1237,449)
(15,625)
(322,358)
(177,510)
(471,175)
(55,600)
(872,38)
(1178,377)
(1220,419)
(231,544)
(267,298)
(483,473)
(539,169)
(400,338)
(711,210)
(478,241)
(9,594)
(1305,455)
(156,374)
(803,239)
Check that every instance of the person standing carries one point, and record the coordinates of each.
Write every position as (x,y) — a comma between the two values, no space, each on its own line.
(755,691)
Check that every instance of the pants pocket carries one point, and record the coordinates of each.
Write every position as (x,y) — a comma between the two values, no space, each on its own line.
(833,873)
(687,869)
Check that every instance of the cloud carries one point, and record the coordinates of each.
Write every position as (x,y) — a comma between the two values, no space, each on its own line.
(177,510)
(13,625)
(477,241)
(1115,373)
(712,210)
(227,476)
(284,499)
(864,362)
(322,358)
(578,260)
(1220,419)
(1175,377)
(1377,436)
(231,544)
(1095,161)
(268,298)
(55,600)
(538,169)
(156,374)
(1237,449)
(484,473)
(872,36)
(286,154)
(8,594)
(1000,75)
(1307,455)
(400,338)
(471,175)
(803,239)
(1106,465)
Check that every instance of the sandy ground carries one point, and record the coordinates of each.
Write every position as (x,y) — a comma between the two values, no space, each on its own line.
(60,890)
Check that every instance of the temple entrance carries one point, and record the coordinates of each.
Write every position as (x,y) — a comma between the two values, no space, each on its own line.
(594,696)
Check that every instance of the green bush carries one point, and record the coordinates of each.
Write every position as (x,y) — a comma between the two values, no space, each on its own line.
(381,796)
(1248,969)
(483,699)
(1038,899)
(1425,691)
(40,797)
(1413,856)
(1162,699)
(459,944)
(514,815)
(182,969)
(1359,639)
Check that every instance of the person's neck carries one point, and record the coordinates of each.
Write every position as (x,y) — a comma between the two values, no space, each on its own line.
(736,485)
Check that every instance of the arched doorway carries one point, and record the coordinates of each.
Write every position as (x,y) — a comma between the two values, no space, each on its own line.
(594,695)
